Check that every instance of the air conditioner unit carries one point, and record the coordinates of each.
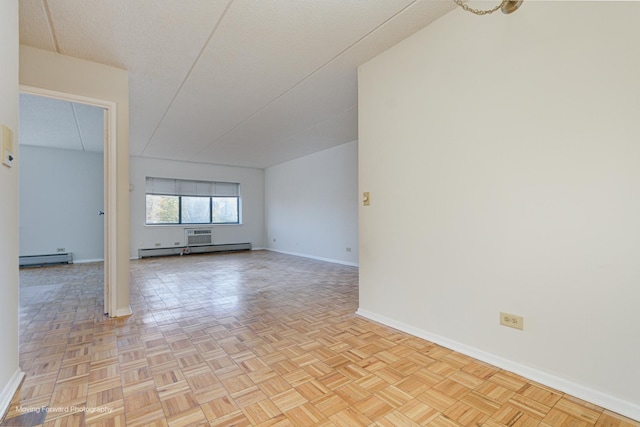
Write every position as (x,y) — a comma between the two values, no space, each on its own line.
(198,236)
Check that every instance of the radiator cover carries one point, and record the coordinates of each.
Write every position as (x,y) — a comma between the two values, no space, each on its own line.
(49,259)
(180,250)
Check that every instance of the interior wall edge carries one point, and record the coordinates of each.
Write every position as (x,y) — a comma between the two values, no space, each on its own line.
(10,390)
(122,312)
(620,406)
(334,261)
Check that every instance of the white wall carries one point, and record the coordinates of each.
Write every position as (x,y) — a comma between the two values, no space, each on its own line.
(312,205)
(10,374)
(60,73)
(503,159)
(251,182)
(61,192)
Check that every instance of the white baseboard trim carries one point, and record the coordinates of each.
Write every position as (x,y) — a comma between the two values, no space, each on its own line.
(620,406)
(9,390)
(85,261)
(121,312)
(334,261)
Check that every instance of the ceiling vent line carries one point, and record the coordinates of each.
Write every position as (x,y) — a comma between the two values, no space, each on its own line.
(305,78)
(54,39)
(186,77)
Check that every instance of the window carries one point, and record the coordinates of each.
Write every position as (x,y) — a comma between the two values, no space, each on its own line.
(178,201)
(196,210)
(163,209)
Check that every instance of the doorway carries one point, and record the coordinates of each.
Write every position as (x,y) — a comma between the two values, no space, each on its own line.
(88,116)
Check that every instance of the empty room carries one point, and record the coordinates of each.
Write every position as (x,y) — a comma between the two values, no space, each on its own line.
(304,212)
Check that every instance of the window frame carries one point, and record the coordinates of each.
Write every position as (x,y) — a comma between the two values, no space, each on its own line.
(180,204)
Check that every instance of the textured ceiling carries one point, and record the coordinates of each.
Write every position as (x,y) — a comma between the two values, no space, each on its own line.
(52,123)
(236,82)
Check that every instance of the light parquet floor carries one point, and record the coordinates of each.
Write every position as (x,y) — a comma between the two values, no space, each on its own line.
(252,338)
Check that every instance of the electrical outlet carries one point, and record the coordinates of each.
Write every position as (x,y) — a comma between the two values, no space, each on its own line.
(157,245)
(176,243)
(348,249)
(60,250)
(512,321)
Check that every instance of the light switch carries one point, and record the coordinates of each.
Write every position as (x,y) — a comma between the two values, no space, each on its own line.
(365,199)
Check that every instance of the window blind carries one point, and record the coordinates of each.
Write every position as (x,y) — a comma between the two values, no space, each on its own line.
(184,187)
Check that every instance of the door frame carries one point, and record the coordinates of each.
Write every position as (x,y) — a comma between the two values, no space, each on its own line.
(110,200)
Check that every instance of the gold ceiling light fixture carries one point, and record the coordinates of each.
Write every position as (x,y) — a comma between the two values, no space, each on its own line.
(507,7)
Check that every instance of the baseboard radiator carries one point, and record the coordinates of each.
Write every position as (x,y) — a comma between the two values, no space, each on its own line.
(42,260)
(186,250)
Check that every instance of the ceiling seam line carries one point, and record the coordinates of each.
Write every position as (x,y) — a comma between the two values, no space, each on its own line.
(52,32)
(308,76)
(75,117)
(200,163)
(186,77)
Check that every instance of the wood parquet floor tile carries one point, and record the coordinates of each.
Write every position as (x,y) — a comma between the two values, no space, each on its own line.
(251,339)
